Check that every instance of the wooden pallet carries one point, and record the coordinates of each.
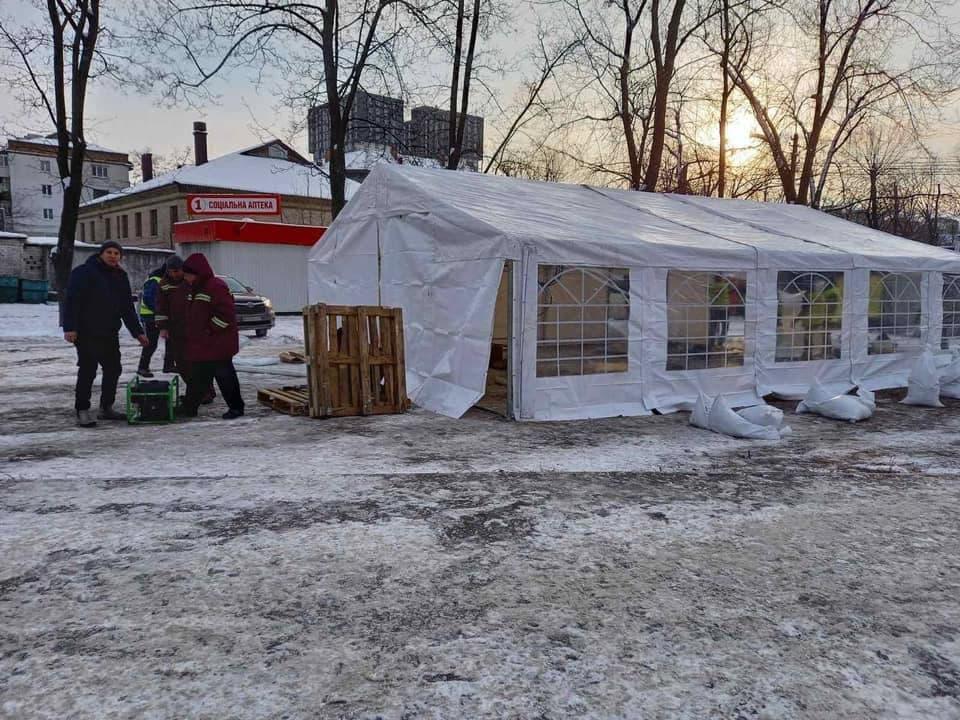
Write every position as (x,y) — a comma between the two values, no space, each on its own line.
(292,400)
(355,360)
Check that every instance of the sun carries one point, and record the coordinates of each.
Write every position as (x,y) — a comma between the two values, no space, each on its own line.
(743,136)
(741,132)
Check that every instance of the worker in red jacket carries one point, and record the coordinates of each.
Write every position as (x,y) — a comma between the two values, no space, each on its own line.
(211,338)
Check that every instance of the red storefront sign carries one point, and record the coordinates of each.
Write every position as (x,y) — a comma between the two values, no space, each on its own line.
(233,204)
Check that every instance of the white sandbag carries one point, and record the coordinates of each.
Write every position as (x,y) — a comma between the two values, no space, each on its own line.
(764,415)
(724,420)
(851,408)
(950,377)
(923,385)
(701,411)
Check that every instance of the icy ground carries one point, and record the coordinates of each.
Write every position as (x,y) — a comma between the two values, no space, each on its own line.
(418,567)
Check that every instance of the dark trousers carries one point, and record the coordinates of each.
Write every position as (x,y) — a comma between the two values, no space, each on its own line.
(91,353)
(153,336)
(201,379)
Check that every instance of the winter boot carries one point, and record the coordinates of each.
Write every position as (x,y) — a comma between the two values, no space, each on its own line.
(185,412)
(209,396)
(85,419)
(108,413)
(232,414)
(144,372)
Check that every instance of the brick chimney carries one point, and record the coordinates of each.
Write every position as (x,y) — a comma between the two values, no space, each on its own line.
(199,143)
(146,166)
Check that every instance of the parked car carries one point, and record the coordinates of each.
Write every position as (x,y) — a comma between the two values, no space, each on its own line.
(254,312)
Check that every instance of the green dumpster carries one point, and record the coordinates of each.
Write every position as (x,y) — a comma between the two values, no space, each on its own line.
(8,289)
(34,291)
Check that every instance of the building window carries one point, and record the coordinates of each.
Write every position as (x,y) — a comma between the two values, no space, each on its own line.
(809,315)
(48,214)
(46,189)
(706,320)
(153,223)
(124,226)
(106,228)
(99,193)
(138,225)
(950,337)
(4,162)
(894,322)
(83,233)
(174,216)
(93,232)
(99,171)
(44,166)
(582,320)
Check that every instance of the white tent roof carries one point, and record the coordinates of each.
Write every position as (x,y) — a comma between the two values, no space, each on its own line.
(633,227)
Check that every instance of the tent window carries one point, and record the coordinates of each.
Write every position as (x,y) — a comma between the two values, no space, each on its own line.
(951,312)
(582,320)
(706,320)
(809,315)
(895,314)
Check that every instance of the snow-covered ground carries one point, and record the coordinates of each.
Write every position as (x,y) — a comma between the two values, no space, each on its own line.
(418,567)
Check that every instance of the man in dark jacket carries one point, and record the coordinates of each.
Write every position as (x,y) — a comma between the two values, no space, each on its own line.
(212,338)
(98,299)
(148,316)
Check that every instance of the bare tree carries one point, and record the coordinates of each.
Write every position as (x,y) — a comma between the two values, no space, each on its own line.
(185,46)
(48,65)
(162,163)
(630,56)
(808,113)
(549,55)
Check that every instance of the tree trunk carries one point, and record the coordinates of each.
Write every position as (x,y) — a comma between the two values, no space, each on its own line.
(724,100)
(664,76)
(452,157)
(335,111)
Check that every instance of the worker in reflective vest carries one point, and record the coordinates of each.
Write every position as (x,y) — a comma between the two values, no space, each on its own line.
(148,311)
(213,338)
(171,316)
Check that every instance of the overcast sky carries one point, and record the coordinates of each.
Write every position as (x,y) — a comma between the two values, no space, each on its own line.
(244,114)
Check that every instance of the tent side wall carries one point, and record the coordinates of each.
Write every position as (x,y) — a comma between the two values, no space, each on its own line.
(448,304)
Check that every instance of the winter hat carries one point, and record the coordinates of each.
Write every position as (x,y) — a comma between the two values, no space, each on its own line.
(174,262)
(109,244)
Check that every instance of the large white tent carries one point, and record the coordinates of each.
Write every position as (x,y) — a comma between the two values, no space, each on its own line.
(620,303)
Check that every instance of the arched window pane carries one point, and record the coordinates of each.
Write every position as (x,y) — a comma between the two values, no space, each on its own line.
(706,320)
(809,315)
(950,337)
(582,319)
(895,315)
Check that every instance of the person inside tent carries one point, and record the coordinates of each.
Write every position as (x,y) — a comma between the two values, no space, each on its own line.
(98,299)
(211,338)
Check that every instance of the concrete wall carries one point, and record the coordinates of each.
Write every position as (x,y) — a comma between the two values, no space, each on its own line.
(137,262)
(11,256)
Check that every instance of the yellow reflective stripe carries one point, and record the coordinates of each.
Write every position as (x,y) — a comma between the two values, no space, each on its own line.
(162,317)
(202,296)
(218,322)
(167,287)
(144,310)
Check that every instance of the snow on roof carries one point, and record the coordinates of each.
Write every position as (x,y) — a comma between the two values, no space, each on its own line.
(47,241)
(648,228)
(366,159)
(244,173)
(12,236)
(40,140)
